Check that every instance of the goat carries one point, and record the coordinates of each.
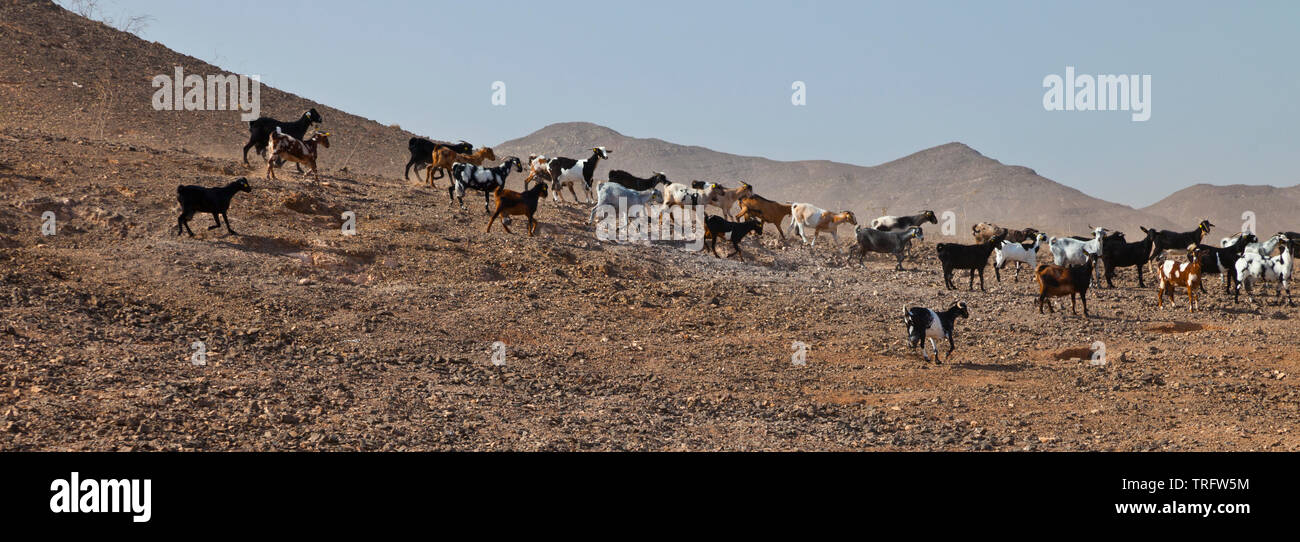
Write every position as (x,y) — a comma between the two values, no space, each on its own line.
(1223,260)
(888,242)
(1068,251)
(632,182)
(970,257)
(680,196)
(806,215)
(1165,239)
(261,129)
(716,226)
(286,147)
(510,202)
(724,198)
(485,179)
(1058,281)
(984,231)
(898,223)
(770,212)
(615,196)
(1117,252)
(566,171)
(1252,268)
(923,324)
(1266,248)
(443,158)
(1172,274)
(422,152)
(538,166)
(198,199)
(1010,251)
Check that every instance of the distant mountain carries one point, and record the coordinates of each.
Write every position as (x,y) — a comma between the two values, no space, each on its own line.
(951,177)
(1275,209)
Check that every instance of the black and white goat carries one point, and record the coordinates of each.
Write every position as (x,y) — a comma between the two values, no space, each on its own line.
(199,199)
(923,324)
(260,130)
(484,179)
(566,171)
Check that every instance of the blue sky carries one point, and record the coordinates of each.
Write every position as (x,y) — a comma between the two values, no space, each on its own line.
(884,79)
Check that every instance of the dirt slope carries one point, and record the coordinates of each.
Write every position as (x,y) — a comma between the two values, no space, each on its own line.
(80,78)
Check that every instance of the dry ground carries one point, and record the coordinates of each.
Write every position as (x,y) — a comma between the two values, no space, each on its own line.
(382,341)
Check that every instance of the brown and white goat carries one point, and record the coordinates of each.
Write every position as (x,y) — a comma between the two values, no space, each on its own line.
(538,166)
(1173,274)
(287,148)
(805,215)
(443,158)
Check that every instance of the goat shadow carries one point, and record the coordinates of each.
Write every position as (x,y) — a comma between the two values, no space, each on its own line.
(992,367)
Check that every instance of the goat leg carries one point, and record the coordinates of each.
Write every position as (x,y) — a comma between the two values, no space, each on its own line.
(227,220)
(217,218)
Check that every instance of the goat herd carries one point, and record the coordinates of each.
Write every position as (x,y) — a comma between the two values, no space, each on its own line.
(1179,260)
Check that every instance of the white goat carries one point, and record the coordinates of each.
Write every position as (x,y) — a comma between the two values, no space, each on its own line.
(1068,251)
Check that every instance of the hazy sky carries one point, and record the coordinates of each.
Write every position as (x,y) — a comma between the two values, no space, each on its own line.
(884,79)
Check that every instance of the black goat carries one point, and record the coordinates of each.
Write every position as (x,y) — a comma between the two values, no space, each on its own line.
(422,153)
(1117,253)
(632,182)
(198,199)
(1223,260)
(260,130)
(923,323)
(1165,239)
(716,226)
(972,257)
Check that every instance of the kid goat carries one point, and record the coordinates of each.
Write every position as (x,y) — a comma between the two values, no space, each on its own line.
(923,324)
(261,129)
(286,147)
(422,151)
